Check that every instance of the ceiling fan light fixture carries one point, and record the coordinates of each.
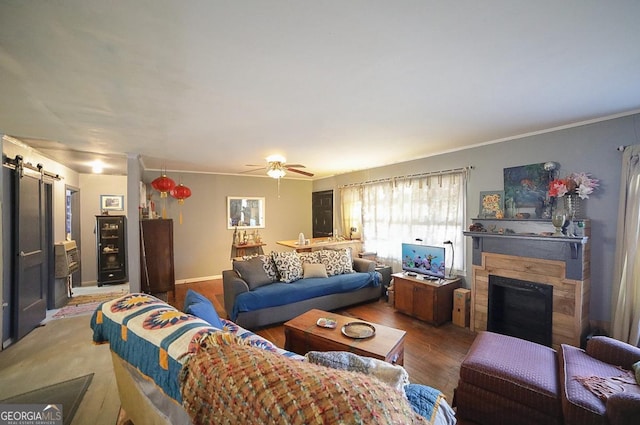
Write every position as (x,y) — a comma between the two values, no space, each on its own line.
(276,170)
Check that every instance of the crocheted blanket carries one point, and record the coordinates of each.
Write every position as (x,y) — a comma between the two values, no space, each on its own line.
(225,382)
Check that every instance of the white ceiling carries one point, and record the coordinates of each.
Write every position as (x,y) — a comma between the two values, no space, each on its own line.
(206,85)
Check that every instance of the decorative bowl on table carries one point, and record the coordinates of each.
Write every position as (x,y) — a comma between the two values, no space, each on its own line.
(325,322)
(358,330)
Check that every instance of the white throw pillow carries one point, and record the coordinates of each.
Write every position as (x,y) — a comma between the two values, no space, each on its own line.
(314,270)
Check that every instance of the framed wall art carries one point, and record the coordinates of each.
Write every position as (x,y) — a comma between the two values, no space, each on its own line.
(245,212)
(112,202)
(525,189)
(491,204)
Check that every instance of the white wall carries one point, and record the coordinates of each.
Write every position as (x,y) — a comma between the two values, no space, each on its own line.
(91,187)
(586,148)
(202,244)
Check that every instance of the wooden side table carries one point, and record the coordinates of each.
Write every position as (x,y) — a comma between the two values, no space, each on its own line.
(239,250)
(426,300)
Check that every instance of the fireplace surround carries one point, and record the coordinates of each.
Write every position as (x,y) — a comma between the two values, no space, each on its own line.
(528,254)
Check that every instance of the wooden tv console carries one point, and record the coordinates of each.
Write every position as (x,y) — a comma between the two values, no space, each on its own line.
(428,300)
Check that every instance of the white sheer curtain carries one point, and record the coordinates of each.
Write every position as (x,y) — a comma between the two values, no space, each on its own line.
(430,208)
(351,207)
(626,272)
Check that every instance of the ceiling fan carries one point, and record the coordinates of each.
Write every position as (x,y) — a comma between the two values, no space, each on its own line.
(277,167)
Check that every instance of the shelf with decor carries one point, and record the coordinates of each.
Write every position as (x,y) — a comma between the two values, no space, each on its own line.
(577,229)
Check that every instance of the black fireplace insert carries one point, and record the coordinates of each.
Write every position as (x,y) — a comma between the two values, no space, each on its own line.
(521,309)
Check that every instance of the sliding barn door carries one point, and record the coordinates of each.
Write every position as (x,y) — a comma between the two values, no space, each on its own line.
(30,271)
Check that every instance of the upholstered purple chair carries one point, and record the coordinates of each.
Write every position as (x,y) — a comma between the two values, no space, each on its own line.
(506,380)
(604,358)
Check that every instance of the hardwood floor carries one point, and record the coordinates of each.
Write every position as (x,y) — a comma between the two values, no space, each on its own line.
(432,354)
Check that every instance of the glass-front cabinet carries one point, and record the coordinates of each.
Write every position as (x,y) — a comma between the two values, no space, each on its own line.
(111,249)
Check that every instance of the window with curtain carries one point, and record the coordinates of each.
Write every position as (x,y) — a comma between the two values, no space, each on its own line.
(625,291)
(400,210)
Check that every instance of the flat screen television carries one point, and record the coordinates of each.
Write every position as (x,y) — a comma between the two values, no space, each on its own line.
(424,259)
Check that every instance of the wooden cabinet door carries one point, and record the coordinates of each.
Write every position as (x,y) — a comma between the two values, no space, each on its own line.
(156,256)
(423,297)
(404,295)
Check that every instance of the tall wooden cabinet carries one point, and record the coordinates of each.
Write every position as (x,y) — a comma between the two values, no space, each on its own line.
(424,299)
(111,249)
(157,275)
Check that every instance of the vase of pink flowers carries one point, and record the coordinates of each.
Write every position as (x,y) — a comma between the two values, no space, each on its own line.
(573,188)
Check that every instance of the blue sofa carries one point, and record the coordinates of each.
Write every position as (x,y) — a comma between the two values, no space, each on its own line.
(255,294)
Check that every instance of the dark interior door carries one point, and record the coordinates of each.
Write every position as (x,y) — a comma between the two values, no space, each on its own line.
(322,213)
(7,255)
(30,272)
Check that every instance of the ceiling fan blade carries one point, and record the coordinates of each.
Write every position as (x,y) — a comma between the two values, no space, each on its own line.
(253,169)
(305,173)
(294,165)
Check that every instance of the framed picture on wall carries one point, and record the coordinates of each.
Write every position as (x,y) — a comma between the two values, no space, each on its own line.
(525,189)
(112,202)
(491,204)
(245,212)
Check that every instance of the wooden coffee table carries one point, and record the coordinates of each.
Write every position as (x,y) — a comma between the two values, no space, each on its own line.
(302,335)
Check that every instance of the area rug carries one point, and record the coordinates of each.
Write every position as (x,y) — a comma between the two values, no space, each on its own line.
(68,393)
(76,310)
(92,298)
(85,304)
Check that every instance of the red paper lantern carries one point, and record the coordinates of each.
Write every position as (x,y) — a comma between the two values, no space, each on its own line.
(163,184)
(181,192)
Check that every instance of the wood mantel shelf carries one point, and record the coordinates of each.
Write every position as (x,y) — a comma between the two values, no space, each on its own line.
(529,236)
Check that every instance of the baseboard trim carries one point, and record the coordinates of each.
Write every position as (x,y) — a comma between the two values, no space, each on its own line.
(197,279)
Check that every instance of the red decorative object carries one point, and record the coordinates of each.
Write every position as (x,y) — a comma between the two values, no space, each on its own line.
(163,184)
(181,192)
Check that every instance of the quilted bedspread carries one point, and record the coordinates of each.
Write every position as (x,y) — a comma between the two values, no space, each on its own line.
(157,338)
